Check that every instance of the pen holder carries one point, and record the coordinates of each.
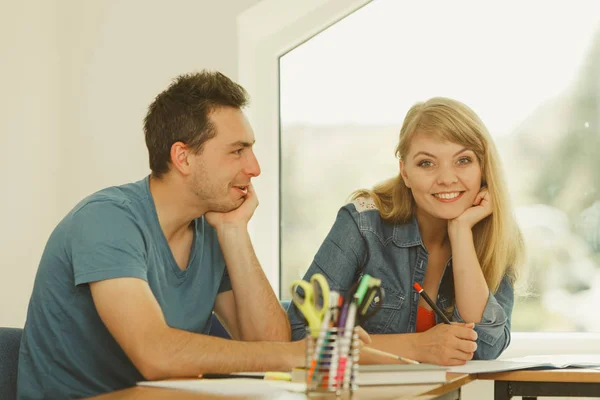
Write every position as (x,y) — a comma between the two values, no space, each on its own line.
(332,361)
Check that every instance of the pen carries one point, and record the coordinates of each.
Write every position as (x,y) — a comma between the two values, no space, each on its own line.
(233,376)
(275,376)
(389,355)
(433,306)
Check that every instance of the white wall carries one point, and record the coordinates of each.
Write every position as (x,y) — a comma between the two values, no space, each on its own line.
(76,79)
(29,149)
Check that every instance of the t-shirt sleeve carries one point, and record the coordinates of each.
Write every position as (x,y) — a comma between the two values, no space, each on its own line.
(225,282)
(106,242)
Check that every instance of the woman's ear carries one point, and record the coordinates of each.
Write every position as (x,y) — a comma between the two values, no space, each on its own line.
(403,174)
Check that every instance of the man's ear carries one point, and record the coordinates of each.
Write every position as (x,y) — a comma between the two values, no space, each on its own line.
(180,158)
(403,174)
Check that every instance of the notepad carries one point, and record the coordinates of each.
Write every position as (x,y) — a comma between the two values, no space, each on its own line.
(389,374)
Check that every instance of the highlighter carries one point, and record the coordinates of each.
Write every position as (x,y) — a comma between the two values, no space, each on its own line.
(278,376)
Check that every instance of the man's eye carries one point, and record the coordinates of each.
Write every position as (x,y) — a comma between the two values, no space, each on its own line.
(238,152)
(425,163)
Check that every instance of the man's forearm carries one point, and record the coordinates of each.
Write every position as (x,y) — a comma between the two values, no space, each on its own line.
(260,316)
(174,353)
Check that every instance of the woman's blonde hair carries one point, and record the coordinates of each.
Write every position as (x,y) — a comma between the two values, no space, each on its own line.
(498,240)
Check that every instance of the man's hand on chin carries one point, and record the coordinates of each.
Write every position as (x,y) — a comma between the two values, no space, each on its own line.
(237,218)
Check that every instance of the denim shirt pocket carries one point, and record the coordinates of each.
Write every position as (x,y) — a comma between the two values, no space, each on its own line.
(382,321)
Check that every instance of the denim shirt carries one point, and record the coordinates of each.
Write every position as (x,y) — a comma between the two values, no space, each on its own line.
(360,242)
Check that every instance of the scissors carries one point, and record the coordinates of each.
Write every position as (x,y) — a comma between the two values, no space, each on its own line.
(315,302)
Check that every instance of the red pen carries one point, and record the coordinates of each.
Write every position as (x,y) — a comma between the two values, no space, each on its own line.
(433,306)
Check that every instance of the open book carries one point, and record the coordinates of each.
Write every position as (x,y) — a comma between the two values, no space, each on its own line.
(530,362)
(389,374)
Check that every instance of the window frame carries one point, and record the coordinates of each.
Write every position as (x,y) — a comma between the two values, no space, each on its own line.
(265,33)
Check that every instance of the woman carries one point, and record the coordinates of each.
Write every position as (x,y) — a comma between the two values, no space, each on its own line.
(444,222)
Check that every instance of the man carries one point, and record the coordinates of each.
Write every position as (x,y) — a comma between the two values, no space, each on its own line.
(129,278)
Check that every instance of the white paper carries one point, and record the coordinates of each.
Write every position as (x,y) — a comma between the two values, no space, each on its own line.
(250,388)
(483,366)
(544,361)
(563,360)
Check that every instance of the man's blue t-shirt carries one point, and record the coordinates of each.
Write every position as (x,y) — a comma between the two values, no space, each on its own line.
(66,350)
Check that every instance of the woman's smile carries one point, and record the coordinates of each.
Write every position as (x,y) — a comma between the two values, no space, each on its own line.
(448,197)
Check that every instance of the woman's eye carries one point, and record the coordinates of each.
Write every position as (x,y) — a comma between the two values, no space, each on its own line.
(464,160)
(425,163)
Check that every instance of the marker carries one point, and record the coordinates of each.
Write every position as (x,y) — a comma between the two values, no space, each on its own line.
(433,306)
(321,339)
(343,376)
(362,288)
(278,376)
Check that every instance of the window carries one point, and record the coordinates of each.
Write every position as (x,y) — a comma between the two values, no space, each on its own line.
(529,69)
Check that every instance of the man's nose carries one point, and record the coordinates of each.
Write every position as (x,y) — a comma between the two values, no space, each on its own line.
(252,168)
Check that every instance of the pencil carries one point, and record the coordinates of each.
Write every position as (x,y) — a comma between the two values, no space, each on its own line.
(389,355)
(433,306)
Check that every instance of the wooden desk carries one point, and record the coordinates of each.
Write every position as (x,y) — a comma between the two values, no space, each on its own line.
(533,383)
(446,391)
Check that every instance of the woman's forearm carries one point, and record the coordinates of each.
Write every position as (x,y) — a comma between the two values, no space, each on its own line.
(470,288)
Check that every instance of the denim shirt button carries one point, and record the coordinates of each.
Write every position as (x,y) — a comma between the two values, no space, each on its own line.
(486,337)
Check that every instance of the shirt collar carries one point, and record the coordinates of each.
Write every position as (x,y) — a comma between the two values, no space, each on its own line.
(408,235)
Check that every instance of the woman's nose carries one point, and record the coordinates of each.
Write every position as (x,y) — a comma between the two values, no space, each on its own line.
(446,177)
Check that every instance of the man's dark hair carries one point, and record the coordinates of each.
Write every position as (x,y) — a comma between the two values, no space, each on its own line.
(181,114)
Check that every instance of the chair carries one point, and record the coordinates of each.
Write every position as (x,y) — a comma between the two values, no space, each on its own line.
(217,329)
(10,341)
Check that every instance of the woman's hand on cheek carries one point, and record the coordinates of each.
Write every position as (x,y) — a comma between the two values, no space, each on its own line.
(482,207)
